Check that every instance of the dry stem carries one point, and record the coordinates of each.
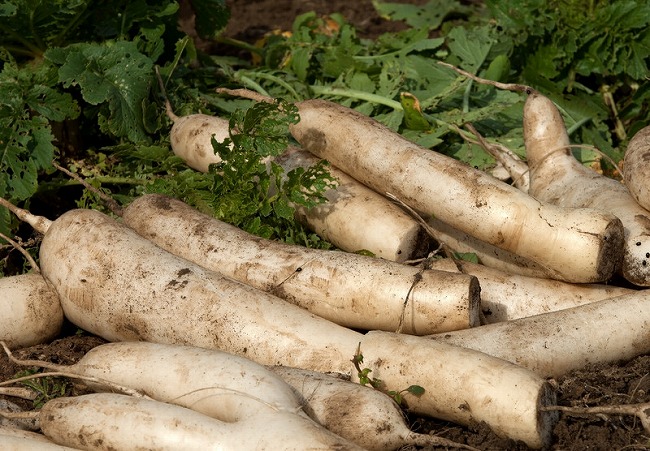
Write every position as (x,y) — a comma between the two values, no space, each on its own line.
(108,200)
(518,169)
(505,86)
(640,410)
(246,94)
(22,250)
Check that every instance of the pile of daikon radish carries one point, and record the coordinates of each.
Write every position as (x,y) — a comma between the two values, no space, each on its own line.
(226,339)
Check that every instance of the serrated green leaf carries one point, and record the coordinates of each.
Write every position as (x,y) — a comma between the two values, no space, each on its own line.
(428,16)
(472,46)
(211,17)
(52,104)
(114,75)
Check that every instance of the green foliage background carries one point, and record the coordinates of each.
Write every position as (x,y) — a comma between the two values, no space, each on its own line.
(77,85)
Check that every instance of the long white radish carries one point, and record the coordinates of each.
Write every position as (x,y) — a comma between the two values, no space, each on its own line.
(480,387)
(357,218)
(191,138)
(30,311)
(352,290)
(551,344)
(14,443)
(506,296)
(224,386)
(122,287)
(108,421)
(13,439)
(488,254)
(558,178)
(579,245)
(356,412)
(637,167)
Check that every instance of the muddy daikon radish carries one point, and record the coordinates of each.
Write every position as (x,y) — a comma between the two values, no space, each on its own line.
(551,344)
(30,311)
(109,421)
(351,290)
(637,167)
(356,412)
(507,296)
(357,218)
(478,386)
(216,383)
(557,177)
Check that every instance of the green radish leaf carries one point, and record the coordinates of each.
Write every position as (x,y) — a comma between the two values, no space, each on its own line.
(114,75)
(413,117)
(416,390)
(428,16)
(466,256)
(471,46)
(211,17)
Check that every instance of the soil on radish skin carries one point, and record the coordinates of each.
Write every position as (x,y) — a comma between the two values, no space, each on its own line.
(616,384)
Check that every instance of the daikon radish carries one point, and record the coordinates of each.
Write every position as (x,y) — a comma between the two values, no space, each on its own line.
(351,290)
(191,138)
(488,254)
(13,439)
(505,296)
(218,384)
(108,421)
(578,245)
(30,311)
(356,412)
(637,167)
(357,218)
(558,178)
(120,286)
(551,344)
(475,385)
(13,443)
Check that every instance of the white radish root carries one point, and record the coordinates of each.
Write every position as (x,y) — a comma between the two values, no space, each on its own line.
(106,421)
(14,443)
(122,287)
(558,178)
(218,384)
(506,296)
(554,343)
(488,254)
(30,311)
(578,245)
(637,167)
(358,413)
(356,218)
(481,388)
(351,290)
(13,439)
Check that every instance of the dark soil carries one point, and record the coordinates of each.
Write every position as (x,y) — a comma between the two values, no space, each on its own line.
(620,383)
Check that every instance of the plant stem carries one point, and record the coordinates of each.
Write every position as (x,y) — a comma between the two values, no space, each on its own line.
(354,94)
